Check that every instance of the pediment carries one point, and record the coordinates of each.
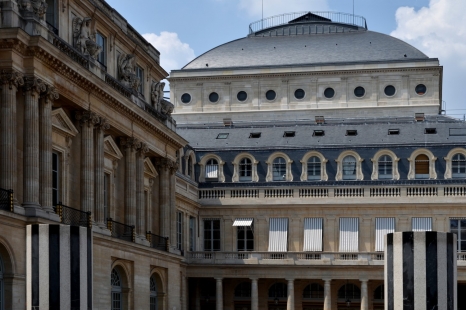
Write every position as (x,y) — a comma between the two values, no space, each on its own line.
(111,149)
(149,169)
(62,124)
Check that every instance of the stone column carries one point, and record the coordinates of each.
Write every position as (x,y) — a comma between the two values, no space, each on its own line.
(130,145)
(87,120)
(163,165)
(327,294)
(33,87)
(10,81)
(99,212)
(45,155)
(290,302)
(364,296)
(254,295)
(140,203)
(219,296)
(173,169)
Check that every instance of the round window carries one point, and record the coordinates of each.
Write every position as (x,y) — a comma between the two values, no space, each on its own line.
(299,93)
(270,95)
(213,97)
(186,98)
(359,91)
(390,90)
(329,93)
(242,96)
(421,89)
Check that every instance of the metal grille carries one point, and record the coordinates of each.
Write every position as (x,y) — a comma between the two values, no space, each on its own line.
(73,217)
(157,242)
(6,200)
(121,231)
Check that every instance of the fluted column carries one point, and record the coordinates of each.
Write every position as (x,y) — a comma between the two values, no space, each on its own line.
(99,212)
(327,294)
(130,145)
(10,81)
(140,203)
(364,295)
(254,295)
(290,302)
(219,294)
(173,169)
(163,165)
(33,87)
(45,155)
(87,120)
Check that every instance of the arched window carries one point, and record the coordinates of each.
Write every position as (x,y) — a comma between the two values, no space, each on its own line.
(349,291)
(385,167)
(379,293)
(314,291)
(458,166)
(421,167)
(279,169)
(243,290)
(2,287)
(211,170)
(117,296)
(153,294)
(314,168)
(349,168)
(278,290)
(245,170)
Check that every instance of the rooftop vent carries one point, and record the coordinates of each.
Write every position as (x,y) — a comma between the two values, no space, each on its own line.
(255,135)
(289,134)
(222,135)
(320,120)
(419,117)
(227,122)
(318,133)
(351,132)
(430,131)
(393,131)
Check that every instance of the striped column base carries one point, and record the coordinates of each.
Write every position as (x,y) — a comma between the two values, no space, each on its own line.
(58,267)
(420,271)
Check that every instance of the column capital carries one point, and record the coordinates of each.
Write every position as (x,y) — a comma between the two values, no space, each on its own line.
(165,163)
(218,279)
(290,279)
(143,149)
(87,118)
(327,279)
(12,78)
(35,85)
(50,94)
(364,281)
(130,142)
(254,279)
(103,124)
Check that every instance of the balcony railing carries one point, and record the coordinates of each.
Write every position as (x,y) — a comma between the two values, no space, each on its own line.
(6,200)
(121,231)
(73,217)
(157,242)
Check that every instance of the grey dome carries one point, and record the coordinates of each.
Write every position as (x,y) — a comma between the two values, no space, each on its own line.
(307,49)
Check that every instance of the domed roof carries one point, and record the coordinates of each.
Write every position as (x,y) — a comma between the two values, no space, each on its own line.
(309,43)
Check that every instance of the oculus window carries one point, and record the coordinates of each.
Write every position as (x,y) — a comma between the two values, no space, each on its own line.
(299,94)
(186,98)
(329,93)
(242,96)
(349,168)
(390,91)
(213,97)
(421,89)
(270,95)
(359,91)
(279,169)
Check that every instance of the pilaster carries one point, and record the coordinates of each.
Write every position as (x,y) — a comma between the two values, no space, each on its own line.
(164,165)
(140,203)
(130,146)
(99,212)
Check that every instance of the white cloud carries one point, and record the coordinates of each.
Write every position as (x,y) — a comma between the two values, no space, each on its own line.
(439,31)
(174,54)
(275,7)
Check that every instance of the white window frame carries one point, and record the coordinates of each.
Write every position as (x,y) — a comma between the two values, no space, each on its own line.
(449,163)
(323,166)
(358,173)
(375,165)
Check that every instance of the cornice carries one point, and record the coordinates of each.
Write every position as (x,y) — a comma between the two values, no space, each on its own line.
(119,102)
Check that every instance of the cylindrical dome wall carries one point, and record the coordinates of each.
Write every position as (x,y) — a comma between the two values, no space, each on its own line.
(420,271)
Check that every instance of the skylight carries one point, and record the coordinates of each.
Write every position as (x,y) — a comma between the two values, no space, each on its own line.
(318,133)
(222,135)
(351,132)
(289,134)
(255,135)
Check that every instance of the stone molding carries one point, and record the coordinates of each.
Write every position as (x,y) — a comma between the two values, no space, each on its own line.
(12,78)
(87,118)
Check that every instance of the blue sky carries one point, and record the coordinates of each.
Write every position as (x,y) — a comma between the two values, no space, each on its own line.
(183,29)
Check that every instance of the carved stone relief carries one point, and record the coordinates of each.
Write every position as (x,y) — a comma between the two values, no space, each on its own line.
(83,38)
(38,7)
(156,94)
(126,71)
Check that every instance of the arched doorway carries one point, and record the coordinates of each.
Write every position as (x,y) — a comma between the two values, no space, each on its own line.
(349,297)
(379,297)
(157,292)
(153,294)
(313,297)
(117,292)
(278,295)
(242,296)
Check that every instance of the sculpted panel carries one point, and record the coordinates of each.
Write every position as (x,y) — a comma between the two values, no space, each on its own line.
(83,38)
(126,72)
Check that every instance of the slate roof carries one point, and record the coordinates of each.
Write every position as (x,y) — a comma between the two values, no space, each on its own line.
(315,49)
(369,133)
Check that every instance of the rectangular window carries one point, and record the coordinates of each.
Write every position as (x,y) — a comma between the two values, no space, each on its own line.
(51,16)
(179,230)
(458,227)
(421,224)
(278,235)
(140,75)
(192,234)
(383,226)
(55,178)
(313,234)
(106,195)
(349,234)
(102,56)
(244,234)
(211,235)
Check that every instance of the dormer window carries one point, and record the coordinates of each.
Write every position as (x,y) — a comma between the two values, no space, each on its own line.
(211,170)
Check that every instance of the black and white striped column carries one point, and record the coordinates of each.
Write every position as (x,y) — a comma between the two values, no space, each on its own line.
(59,267)
(420,271)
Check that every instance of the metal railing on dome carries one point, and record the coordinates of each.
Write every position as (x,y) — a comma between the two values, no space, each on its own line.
(336,17)
(121,231)
(73,217)
(6,200)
